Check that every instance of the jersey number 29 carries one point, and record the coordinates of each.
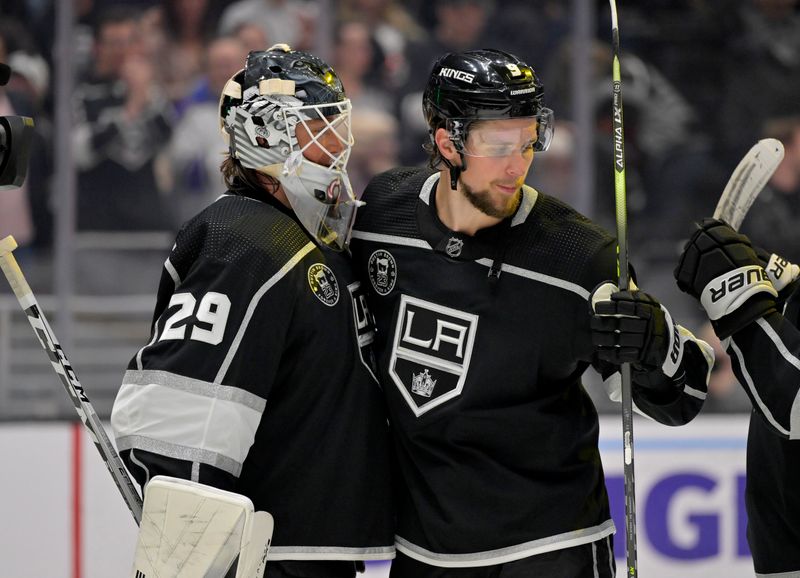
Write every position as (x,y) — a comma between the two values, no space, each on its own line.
(212,311)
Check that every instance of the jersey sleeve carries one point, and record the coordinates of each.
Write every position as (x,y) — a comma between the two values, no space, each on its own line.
(766,360)
(193,397)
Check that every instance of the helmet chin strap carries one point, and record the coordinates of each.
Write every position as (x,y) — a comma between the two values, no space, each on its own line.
(455,171)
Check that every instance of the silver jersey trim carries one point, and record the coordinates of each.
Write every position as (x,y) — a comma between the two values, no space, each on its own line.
(508,554)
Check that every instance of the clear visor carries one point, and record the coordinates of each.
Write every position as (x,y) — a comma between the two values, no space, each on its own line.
(502,137)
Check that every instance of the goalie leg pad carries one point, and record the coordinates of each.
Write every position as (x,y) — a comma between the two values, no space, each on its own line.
(193,530)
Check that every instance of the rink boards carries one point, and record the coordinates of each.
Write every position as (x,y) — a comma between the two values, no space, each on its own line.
(61,516)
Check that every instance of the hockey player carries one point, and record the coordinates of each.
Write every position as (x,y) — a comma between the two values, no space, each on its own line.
(257,375)
(482,289)
(752,300)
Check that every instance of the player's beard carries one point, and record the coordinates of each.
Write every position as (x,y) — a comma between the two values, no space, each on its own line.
(482,200)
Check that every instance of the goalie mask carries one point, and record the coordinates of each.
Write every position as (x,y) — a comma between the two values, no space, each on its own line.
(286,115)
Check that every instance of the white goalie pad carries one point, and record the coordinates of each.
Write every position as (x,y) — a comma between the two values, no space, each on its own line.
(190,530)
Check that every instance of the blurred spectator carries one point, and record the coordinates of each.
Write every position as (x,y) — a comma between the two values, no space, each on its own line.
(353,57)
(25,95)
(774,217)
(460,25)
(29,87)
(763,73)
(375,149)
(188,26)
(725,395)
(391,28)
(666,160)
(122,123)
(552,171)
(545,22)
(15,210)
(253,37)
(282,20)
(196,148)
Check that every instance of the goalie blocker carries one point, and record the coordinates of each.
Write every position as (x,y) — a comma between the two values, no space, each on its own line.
(190,529)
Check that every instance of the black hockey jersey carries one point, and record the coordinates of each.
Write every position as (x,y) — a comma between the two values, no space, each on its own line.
(481,344)
(766,360)
(257,380)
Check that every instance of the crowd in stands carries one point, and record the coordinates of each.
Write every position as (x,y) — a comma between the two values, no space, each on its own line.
(702,81)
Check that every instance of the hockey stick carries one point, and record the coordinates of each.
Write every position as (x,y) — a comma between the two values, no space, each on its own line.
(63,368)
(747,181)
(624,282)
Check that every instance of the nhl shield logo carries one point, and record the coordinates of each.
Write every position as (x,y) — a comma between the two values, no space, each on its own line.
(454,246)
(431,352)
(382,269)
(323,284)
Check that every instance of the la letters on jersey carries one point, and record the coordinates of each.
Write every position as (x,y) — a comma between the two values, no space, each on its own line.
(431,352)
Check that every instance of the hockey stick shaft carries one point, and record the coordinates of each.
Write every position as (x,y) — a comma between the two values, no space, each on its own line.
(63,368)
(747,180)
(624,282)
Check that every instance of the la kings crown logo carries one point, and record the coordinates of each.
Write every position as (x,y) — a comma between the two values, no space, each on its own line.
(431,352)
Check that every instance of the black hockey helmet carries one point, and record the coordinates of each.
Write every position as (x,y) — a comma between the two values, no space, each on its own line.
(315,82)
(486,84)
(481,84)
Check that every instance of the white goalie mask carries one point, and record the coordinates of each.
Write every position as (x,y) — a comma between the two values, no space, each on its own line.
(292,122)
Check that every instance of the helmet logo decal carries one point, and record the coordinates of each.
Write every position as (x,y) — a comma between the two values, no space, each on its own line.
(457,74)
(382,270)
(513,69)
(454,246)
(323,284)
(334,190)
(523,90)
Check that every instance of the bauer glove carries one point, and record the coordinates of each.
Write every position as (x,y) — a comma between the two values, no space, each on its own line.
(633,327)
(782,274)
(720,268)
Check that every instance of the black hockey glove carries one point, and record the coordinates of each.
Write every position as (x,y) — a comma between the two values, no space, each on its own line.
(720,268)
(632,327)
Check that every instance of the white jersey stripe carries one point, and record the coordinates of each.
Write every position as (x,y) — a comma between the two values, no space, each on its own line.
(176,279)
(195,386)
(541,277)
(794,416)
(510,554)
(178,452)
(188,419)
(254,303)
(751,386)
(391,239)
(329,553)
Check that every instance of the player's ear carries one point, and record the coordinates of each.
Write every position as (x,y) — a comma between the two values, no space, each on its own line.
(446,147)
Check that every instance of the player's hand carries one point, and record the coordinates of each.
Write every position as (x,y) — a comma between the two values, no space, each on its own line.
(720,268)
(633,327)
